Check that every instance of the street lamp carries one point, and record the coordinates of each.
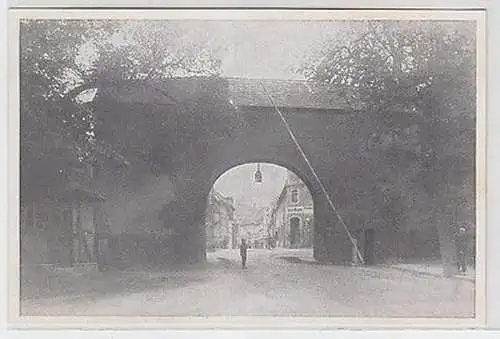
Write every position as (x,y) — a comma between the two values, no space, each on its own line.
(258,175)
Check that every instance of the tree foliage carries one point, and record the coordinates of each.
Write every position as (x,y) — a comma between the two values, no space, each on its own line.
(52,133)
(62,62)
(417,80)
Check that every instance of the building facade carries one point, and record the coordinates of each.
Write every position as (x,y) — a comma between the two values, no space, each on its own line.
(63,228)
(291,217)
(235,235)
(220,224)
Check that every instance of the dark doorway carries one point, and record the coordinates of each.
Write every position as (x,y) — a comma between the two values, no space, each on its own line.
(294,231)
(369,250)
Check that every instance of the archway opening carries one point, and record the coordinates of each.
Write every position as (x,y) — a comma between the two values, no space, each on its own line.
(268,205)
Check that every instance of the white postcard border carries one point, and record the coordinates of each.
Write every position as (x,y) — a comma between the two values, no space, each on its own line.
(240,322)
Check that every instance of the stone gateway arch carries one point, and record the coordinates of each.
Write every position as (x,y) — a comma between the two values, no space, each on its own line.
(180,135)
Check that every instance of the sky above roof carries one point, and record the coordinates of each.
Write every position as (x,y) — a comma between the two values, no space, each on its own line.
(250,49)
(267,49)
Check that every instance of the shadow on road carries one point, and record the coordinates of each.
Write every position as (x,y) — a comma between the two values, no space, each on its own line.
(297,260)
(294,260)
(48,285)
(227,263)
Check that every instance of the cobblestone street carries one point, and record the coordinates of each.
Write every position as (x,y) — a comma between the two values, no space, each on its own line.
(277,282)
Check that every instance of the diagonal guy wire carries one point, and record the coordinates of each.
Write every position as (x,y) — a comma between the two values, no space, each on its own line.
(325,192)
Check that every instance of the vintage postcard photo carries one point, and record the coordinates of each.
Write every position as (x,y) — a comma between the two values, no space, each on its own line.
(290,167)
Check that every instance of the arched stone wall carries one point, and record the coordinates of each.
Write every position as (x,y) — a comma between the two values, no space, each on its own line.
(336,144)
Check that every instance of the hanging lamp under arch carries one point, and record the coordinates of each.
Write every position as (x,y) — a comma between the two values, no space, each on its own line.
(258,175)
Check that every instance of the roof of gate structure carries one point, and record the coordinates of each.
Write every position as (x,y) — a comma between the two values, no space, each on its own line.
(241,91)
(286,93)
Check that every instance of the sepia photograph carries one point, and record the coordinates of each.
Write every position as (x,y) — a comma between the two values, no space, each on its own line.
(248,164)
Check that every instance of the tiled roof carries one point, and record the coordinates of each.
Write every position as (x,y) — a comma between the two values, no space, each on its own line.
(286,93)
(242,92)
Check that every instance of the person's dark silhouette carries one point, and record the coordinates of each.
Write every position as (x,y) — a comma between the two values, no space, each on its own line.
(243,253)
(462,250)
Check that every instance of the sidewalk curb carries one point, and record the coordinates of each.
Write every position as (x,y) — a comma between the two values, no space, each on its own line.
(408,270)
(417,272)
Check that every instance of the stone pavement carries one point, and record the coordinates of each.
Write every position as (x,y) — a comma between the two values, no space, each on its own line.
(275,284)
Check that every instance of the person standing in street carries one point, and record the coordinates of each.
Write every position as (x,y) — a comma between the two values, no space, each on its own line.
(462,249)
(243,253)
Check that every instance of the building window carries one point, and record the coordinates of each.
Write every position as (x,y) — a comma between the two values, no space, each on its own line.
(295,195)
